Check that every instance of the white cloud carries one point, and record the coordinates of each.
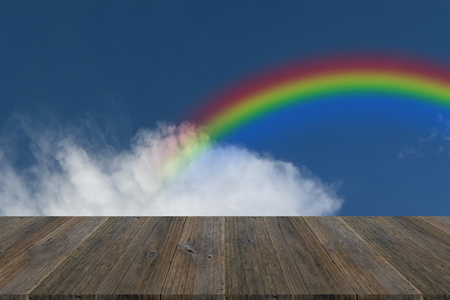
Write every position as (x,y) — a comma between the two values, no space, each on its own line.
(437,142)
(434,133)
(409,151)
(71,176)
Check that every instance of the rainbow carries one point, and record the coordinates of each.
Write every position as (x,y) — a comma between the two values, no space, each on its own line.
(301,83)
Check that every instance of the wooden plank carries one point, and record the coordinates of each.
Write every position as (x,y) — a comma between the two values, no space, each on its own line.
(427,273)
(198,266)
(370,275)
(83,271)
(424,235)
(18,225)
(31,266)
(25,237)
(252,269)
(144,267)
(6,223)
(443,223)
(115,276)
(308,268)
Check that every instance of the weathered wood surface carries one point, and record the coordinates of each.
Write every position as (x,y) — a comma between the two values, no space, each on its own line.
(425,267)
(171,258)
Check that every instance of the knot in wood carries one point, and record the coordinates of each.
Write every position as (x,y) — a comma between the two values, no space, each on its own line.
(188,249)
(152,254)
(209,256)
(1,253)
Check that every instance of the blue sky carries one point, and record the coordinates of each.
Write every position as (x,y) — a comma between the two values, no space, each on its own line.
(102,71)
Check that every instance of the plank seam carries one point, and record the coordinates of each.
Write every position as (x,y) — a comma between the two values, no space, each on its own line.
(24,249)
(414,243)
(440,229)
(6,219)
(31,245)
(51,271)
(39,219)
(290,256)
(225,251)
(239,251)
(125,251)
(171,260)
(86,238)
(258,254)
(444,242)
(382,257)
(232,222)
(337,266)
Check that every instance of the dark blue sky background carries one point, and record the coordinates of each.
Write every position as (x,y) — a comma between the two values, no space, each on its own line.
(129,64)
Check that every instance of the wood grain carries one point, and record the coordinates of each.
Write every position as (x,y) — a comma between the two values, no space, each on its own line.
(197,267)
(6,223)
(306,265)
(20,275)
(442,223)
(428,274)
(367,272)
(24,237)
(142,270)
(252,268)
(84,270)
(17,225)
(424,235)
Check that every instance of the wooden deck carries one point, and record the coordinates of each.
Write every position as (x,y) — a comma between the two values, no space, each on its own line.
(272,258)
